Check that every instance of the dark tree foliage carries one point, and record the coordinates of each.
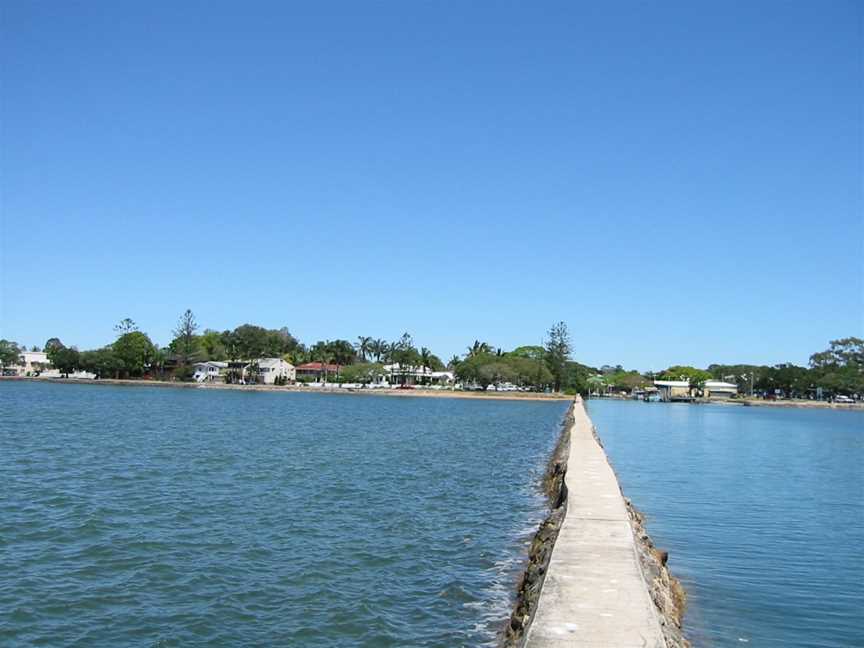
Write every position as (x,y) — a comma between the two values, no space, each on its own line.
(558,352)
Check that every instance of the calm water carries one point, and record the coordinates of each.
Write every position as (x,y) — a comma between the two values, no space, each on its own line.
(175,517)
(762,510)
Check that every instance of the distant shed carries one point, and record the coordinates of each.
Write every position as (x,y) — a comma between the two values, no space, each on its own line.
(719,390)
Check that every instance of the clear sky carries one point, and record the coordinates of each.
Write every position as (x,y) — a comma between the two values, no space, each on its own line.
(681,182)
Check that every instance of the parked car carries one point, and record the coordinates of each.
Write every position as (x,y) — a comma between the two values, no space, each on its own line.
(843,399)
(405,387)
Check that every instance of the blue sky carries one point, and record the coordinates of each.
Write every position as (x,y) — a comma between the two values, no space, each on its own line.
(680,182)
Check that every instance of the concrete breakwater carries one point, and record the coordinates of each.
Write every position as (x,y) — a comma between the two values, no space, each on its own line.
(593,576)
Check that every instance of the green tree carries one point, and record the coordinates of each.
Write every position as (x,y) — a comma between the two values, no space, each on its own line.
(52,347)
(298,356)
(321,352)
(160,359)
(363,372)
(66,360)
(282,342)
(840,353)
(363,346)
(248,341)
(495,373)
(126,325)
(628,381)
(840,369)
(425,357)
(378,349)
(135,352)
(695,377)
(435,363)
(558,352)
(597,384)
(478,348)
(9,352)
(342,352)
(211,345)
(185,343)
(530,372)
(102,362)
(530,352)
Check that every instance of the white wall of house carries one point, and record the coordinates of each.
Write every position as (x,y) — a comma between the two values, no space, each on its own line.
(418,375)
(718,389)
(31,362)
(670,389)
(210,371)
(271,368)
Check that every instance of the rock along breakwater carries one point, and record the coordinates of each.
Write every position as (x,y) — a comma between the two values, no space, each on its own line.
(593,578)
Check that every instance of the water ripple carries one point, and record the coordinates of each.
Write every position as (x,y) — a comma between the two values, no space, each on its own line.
(762,510)
(160,517)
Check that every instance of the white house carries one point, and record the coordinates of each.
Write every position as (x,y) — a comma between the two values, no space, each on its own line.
(671,390)
(31,363)
(419,375)
(269,369)
(209,371)
(444,378)
(719,390)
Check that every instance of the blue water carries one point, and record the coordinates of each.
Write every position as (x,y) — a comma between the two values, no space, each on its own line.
(143,516)
(762,510)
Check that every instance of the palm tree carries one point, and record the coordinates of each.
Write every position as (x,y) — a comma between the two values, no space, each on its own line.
(478,348)
(454,362)
(375,349)
(425,357)
(322,354)
(295,357)
(363,346)
(342,352)
(425,360)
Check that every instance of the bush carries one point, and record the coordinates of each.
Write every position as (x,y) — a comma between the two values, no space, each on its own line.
(184,373)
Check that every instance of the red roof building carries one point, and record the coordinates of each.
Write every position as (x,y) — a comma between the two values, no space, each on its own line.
(316,369)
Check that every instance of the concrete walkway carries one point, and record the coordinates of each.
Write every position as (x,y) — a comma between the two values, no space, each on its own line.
(594,593)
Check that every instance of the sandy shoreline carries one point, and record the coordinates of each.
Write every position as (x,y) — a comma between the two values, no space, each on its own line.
(397,393)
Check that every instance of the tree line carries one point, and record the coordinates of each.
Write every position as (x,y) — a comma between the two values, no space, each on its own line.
(837,370)
(133,355)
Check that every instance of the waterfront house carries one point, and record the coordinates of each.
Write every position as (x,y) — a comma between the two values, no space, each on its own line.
(679,390)
(32,363)
(719,390)
(269,369)
(443,378)
(673,390)
(419,375)
(210,371)
(406,374)
(316,371)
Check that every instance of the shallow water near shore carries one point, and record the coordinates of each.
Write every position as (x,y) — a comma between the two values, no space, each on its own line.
(163,517)
(762,511)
